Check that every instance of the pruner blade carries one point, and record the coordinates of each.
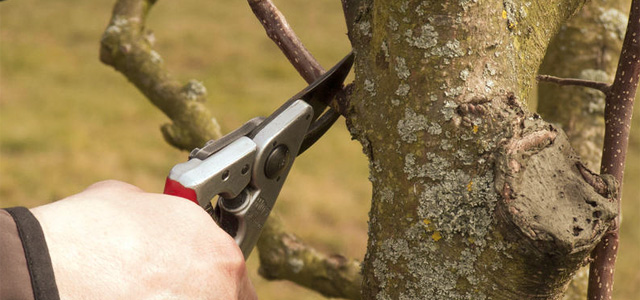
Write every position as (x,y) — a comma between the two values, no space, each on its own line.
(318,94)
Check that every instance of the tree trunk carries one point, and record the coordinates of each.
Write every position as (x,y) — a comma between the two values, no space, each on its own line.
(474,197)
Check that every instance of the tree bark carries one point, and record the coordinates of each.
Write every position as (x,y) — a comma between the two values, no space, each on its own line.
(474,197)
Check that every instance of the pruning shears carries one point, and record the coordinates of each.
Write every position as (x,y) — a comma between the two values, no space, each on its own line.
(248,167)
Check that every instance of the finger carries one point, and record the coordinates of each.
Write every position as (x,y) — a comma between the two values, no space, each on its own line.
(114,185)
(246,290)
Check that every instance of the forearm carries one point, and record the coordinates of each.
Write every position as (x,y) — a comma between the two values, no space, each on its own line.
(26,271)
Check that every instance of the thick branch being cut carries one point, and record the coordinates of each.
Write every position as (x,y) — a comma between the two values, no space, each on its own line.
(284,256)
(618,111)
(127,47)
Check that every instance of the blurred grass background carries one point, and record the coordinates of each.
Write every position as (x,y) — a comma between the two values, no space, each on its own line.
(67,121)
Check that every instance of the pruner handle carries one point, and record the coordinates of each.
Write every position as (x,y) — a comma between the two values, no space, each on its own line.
(175,188)
(247,174)
(226,173)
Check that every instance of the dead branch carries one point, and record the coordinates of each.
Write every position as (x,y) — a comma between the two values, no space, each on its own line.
(284,256)
(617,115)
(127,46)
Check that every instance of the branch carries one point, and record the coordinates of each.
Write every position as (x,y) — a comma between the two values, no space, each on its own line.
(617,115)
(281,33)
(284,256)
(601,86)
(126,46)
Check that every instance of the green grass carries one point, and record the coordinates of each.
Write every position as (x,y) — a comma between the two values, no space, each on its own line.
(67,121)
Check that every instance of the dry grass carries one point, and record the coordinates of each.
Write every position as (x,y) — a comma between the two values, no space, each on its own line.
(66,120)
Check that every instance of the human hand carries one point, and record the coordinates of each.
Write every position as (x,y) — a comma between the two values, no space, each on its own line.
(114,241)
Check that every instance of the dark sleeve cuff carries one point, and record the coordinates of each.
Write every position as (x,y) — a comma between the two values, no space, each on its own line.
(35,257)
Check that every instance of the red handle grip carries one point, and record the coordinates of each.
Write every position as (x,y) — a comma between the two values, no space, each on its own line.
(174,188)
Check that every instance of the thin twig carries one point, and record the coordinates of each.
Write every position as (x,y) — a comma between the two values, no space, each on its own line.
(618,111)
(281,33)
(278,29)
(601,86)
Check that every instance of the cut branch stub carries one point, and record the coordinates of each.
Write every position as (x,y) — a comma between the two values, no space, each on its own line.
(548,202)
(127,47)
